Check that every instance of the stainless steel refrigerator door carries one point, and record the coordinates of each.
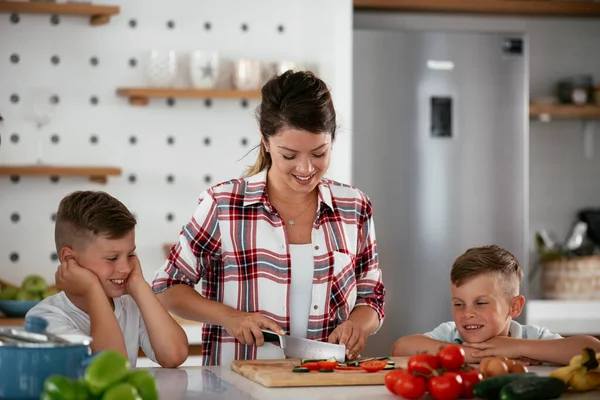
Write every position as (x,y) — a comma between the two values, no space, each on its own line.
(439,146)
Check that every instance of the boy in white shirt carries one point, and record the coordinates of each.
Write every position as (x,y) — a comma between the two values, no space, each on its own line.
(485,284)
(104,293)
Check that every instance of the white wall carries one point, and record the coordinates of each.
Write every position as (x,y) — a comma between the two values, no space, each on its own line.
(314,31)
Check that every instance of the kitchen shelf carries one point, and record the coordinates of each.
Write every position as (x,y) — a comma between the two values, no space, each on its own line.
(546,111)
(99,14)
(96,174)
(502,7)
(142,96)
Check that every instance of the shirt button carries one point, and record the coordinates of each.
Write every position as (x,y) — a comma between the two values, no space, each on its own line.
(316,247)
(316,307)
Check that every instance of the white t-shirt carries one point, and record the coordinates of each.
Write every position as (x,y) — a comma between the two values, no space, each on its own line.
(65,318)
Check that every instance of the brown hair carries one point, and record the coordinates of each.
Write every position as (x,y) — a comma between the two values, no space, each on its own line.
(297,100)
(486,260)
(84,214)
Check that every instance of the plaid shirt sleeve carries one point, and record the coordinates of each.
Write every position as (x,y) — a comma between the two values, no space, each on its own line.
(370,288)
(199,244)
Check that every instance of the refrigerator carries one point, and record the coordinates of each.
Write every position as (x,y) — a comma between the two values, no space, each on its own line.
(440,145)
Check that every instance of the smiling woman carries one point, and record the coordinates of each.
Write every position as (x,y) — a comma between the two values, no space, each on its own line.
(282,248)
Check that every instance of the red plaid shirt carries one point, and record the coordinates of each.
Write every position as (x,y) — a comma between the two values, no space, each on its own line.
(235,245)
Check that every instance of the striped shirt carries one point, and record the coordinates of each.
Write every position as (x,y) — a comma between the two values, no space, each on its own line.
(235,245)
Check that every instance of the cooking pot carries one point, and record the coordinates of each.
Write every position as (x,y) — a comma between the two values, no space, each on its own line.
(29,355)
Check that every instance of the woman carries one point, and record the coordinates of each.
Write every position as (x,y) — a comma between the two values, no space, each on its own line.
(282,248)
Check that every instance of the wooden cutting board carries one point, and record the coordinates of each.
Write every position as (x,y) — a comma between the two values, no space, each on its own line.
(278,373)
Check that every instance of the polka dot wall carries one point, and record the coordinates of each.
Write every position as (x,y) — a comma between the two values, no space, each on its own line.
(58,95)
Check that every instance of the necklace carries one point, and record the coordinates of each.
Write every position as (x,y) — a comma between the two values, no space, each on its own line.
(291,221)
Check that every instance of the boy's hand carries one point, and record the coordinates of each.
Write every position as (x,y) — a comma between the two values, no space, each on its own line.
(351,335)
(74,279)
(135,278)
(497,346)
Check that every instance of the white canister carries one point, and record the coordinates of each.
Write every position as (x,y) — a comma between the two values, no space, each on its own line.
(204,69)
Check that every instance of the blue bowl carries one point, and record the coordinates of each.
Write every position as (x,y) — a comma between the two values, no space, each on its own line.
(16,308)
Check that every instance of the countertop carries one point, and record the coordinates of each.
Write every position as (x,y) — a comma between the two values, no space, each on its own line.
(220,382)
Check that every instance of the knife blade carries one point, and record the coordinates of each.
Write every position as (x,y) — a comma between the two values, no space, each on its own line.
(294,347)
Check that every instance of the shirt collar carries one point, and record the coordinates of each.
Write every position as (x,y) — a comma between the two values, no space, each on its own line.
(256,191)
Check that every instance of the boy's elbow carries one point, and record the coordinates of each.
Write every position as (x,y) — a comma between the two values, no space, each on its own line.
(397,349)
(175,357)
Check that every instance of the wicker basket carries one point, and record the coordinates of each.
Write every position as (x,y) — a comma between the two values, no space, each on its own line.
(571,279)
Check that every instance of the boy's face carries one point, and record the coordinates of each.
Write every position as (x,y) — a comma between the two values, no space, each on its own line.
(483,308)
(111,260)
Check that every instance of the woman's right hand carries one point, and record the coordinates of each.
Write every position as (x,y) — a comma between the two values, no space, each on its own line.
(247,327)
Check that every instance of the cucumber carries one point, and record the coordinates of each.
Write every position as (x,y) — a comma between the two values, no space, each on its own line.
(389,366)
(309,360)
(490,388)
(352,364)
(300,369)
(538,388)
(325,370)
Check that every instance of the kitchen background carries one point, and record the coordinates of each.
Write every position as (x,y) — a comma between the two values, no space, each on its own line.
(59,77)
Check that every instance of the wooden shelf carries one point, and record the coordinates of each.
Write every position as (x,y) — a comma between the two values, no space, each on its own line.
(499,7)
(141,96)
(96,174)
(564,111)
(99,14)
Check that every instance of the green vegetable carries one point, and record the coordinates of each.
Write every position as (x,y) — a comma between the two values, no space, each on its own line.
(298,369)
(106,369)
(122,391)
(325,370)
(144,383)
(536,388)
(490,388)
(57,387)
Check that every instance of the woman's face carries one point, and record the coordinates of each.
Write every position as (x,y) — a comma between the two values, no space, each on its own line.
(300,158)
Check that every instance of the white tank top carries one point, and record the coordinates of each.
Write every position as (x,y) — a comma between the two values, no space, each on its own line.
(302,266)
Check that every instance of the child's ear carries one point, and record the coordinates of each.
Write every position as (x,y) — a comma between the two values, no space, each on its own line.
(66,253)
(516,306)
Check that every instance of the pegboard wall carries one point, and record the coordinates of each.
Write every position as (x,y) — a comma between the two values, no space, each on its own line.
(170,150)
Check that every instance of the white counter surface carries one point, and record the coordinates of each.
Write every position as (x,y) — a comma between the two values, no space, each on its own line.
(565,317)
(216,383)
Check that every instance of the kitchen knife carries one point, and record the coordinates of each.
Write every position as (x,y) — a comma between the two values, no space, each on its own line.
(294,347)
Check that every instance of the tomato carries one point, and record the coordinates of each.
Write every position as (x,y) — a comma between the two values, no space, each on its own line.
(391,378)
(469,377)
(373,366)
(445,387)
(451,357)
(410,386)
(423,363)
(327,364)
(313,366)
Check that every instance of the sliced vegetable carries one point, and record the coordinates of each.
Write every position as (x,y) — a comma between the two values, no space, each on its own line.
(373,366)
(310,360)
(346,368)
(326,370)
(330,365)
(313,366)
(300,369)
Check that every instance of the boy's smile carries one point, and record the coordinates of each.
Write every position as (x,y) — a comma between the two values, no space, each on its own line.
(111,260)
(483,308)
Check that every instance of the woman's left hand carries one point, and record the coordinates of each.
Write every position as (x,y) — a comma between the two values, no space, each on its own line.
(352,336)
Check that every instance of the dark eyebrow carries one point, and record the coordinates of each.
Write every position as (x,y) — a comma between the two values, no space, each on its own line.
(296,151)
